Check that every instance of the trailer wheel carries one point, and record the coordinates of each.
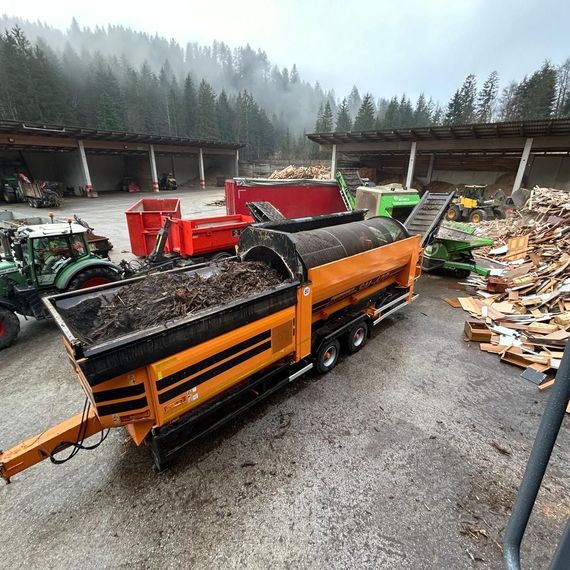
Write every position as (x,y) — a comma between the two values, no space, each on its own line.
(93,277)
(356,337)
(327,357)
(9,327)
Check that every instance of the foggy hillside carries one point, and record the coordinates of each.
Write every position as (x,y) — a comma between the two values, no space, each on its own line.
(121,79)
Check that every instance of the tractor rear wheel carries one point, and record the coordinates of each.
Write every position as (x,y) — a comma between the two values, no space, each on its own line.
(477,216)
(93,277)
(356,337)
(454,212)
(9,327)
(327,357)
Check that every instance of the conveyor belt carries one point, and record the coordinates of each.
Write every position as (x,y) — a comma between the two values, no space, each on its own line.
(428,214)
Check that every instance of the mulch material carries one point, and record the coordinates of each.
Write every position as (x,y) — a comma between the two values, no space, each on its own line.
(163,297)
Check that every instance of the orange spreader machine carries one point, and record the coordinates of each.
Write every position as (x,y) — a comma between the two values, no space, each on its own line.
(177,381)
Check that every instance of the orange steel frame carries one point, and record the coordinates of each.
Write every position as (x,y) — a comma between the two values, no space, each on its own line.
(330,288)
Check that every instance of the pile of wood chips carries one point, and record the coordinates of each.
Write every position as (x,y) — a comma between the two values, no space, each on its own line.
(523,307)
(298,172)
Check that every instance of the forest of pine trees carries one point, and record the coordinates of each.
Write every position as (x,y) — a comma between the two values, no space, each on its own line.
(118,79)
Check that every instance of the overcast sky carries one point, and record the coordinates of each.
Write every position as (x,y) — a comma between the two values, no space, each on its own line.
(385,47)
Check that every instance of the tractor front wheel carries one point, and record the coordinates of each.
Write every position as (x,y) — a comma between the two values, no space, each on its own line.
(93,277)
(9,327)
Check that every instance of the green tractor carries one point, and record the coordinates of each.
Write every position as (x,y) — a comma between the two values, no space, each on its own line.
(36,260)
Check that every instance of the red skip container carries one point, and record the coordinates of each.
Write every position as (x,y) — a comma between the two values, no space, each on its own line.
(293,198)
(206,236)
(144,220)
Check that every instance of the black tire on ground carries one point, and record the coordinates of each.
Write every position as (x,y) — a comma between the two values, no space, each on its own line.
(477,216)
(327,357)
(9,327)
(356,337)
(92,277)
(454,213)
(500,213)
(220,255)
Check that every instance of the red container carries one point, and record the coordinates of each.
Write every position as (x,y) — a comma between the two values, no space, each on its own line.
(144,220)
(203,236)
(294,198)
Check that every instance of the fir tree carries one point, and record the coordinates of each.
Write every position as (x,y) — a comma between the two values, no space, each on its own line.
(207,120)
(487,98)
(343,119)
(327,119)
(366,117)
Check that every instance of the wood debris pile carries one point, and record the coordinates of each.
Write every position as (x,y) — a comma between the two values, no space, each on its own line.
(523,307)
(298,172)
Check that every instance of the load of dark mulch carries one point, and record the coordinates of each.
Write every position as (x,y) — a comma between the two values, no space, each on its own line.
(163,297)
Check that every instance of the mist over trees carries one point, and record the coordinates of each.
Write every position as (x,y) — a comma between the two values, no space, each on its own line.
(118,79)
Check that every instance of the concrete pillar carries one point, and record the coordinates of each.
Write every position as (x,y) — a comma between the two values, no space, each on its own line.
(430,168)
(522,164)
(237,164)
(153,172)
(201,169)
(85,167)
(411,166)
(333,162)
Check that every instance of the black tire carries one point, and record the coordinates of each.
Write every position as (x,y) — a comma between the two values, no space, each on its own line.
(453,213)
(220,255)
(9,327)
(477,216)
(500,213)
(327,356)
(355,338)
(92,277)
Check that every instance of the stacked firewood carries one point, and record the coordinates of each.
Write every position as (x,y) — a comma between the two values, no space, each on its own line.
(298,172)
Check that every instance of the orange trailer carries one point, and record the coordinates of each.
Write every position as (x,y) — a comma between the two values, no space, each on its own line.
(172,383)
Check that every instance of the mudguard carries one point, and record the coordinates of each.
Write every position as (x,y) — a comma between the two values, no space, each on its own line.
(68,273)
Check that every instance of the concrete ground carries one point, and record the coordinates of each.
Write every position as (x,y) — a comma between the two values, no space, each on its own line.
(392,460)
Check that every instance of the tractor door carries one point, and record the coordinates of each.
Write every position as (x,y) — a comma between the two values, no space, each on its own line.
(51,254)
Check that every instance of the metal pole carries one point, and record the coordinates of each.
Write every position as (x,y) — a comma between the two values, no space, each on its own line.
(539,456)
(237,164)
(333,162)
(411,166)
(522,164)
(153,172)
(430,168)
(201,169)
(86,175)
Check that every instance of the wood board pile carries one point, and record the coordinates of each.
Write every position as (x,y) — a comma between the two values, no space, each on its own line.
(297,172)
(523,307)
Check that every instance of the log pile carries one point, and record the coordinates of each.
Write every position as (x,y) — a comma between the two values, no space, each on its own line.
(523,307)
(298,172)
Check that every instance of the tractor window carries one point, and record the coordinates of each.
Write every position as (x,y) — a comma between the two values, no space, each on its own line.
(51,254)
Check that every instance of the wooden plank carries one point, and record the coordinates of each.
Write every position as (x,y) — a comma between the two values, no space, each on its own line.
(546,385)
(453,301)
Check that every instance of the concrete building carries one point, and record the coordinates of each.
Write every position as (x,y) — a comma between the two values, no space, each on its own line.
(532,152)
(92,161)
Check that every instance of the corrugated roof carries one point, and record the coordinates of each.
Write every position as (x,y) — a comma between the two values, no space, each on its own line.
(535,128)
(18,127)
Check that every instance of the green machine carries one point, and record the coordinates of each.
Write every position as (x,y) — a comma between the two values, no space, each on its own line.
(36,260)
(452,249)
(390,200)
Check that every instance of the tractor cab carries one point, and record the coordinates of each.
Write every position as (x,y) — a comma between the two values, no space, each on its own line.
(47,249)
